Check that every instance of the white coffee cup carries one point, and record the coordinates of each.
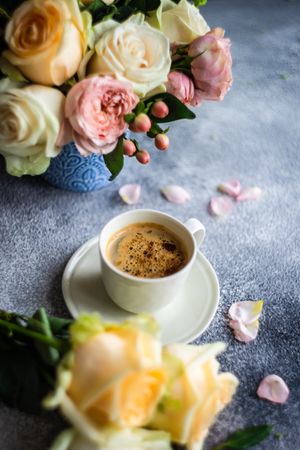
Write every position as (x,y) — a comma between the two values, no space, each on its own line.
(146,295)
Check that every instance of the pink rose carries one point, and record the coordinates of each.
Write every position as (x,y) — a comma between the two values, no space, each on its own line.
(181,86)
(94,114)
(211,66)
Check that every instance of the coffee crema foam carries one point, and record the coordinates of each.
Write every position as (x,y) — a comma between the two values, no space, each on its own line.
(146,250)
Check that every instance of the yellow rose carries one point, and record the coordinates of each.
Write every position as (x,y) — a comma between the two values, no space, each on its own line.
(131,51)
(113,438)
(196,393)
(45,40)
(30,119)
(115,376)
(181,23)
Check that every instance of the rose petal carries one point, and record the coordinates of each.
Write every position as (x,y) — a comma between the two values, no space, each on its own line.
(244,319)
(274,389)
(220,206)
(252,193)
(230,187)
(247,311)
(130,193)
(244,332)
(175,194)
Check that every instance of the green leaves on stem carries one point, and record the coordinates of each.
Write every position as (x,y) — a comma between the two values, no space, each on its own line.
(30,349)
(246,438)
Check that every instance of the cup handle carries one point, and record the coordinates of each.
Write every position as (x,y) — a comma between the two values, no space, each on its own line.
(197,229)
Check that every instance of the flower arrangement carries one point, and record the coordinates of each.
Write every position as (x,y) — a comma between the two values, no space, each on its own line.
(85,71)
(115,383)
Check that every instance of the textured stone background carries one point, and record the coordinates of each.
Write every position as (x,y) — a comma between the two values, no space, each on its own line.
(254,136)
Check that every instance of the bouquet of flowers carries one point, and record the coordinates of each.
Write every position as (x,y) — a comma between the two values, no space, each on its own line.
(115,383)
(85,71)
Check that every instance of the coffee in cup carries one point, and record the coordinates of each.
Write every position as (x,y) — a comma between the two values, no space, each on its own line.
(146,250)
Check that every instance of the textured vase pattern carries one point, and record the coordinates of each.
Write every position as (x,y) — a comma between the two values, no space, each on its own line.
(74,172)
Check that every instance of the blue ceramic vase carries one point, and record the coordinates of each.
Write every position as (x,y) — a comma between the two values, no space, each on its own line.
(73,172)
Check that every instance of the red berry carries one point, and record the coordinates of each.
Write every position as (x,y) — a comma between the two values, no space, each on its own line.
(160,110)
(129,147)
(143,157)
(161,141)
(141,123)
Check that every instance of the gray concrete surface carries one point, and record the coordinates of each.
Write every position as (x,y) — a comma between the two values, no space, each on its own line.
(254,136)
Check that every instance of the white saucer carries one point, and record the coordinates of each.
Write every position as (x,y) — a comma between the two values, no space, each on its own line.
(181,321)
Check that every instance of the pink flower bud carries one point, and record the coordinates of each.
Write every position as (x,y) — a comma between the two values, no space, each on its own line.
(143,157)
(129,147)
(160,110)
(141,123)
(181,86)
(161,141)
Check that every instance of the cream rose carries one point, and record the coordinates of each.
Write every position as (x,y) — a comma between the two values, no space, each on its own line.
(114,375)
(196,393)
(181,23)
(30,119)
(45,40)
(131,51)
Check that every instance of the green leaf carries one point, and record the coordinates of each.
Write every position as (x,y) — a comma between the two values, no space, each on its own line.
(198,3)
(11,71)
(21,383)
(246,438)
(4,13)
(129,117)
(115,160)
(140,108)
(177,110)
(154,130)
(49,355)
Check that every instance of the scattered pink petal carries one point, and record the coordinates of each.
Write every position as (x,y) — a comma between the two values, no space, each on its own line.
(274,389)
(175,194)
(242,332)
(244,319)
(230,187)
(253,193)
(220,206)
(130,193)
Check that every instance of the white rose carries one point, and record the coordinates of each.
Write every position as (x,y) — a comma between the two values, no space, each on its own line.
(113,375)
(30,119)
(181,23)
(131,51)
(114,439)
(196,393)
(46,40)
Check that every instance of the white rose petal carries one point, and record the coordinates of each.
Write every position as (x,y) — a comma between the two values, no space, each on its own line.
(274,389)
(175,194)
(220,206)
(253,193)
(130,193)
(244,319)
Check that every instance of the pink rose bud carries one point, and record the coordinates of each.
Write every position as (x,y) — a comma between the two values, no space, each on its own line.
(129,147)
(181,86)
(160,110)
(141,123)
(143,157)
(211,66)
(161,141)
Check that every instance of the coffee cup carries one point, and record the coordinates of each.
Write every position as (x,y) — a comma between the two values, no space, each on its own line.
(147,295)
